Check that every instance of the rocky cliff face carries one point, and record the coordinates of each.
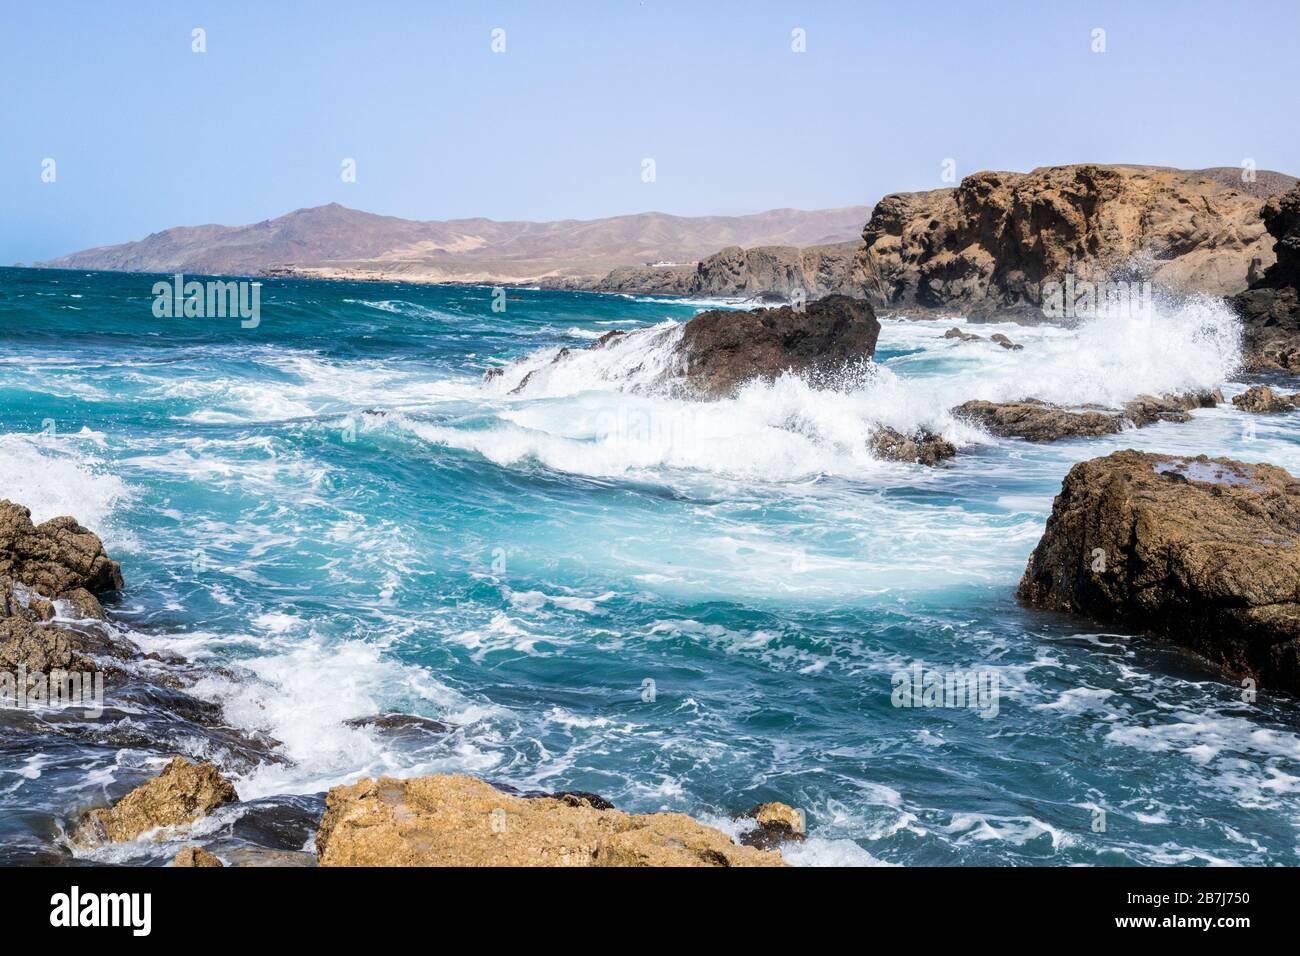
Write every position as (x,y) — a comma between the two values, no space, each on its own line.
(990,244)
(779,271)
(1270,308)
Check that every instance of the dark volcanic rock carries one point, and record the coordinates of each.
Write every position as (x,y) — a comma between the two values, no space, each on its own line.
(1203,550)
(1270,308)
(1039,421)
(722,349)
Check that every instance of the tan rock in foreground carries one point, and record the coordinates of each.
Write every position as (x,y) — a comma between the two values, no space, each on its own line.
(454,820)
(182,793)
(196,856)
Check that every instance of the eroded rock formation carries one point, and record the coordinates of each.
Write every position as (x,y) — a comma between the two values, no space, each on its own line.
(987,246)
(1205,551)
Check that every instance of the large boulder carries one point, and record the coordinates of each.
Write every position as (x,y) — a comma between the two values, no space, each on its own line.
(718,351)
(1205,551)
(1270,308)
(986,246)
(722,349)
(454,820)
(57,559)
(181,794)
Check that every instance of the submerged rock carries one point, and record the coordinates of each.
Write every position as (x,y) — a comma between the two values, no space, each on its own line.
(181,794)
(399,724)
(1039,421)
(922,447)
(1261,398)
(196,856)
(454,820)
(1205,551)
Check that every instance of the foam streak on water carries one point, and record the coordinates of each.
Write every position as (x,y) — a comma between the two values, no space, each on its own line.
(339,511)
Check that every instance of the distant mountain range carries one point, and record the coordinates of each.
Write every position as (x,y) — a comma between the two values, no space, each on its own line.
(336,242)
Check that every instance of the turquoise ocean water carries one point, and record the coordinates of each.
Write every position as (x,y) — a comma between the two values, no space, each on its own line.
(683,606)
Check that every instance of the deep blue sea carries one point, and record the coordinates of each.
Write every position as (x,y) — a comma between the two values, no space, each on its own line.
(684,606)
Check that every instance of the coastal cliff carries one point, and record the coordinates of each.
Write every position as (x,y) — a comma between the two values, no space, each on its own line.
(988,245)
(1270,308)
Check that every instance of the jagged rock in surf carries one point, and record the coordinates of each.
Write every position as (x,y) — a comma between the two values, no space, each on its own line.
(454,820)
(1038,421)
(957,333)
(777,823)
(181,794)
(1270,308)
(718,351)
(1005,342)
(922,447)
(1262,399)
(58,559)
(722,349)
(1205,551)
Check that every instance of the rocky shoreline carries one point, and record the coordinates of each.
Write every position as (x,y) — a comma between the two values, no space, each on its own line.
(52,576)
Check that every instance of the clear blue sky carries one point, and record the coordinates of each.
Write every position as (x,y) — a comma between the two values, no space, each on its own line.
(147,134)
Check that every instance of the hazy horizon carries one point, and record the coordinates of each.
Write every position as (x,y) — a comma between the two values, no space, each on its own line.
(147,134)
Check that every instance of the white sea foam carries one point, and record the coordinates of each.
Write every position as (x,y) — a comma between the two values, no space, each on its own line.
(60,475)
(606,411)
